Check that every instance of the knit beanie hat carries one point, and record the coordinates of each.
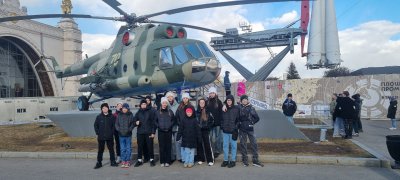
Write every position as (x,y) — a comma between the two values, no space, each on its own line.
(185,95)
(125,105)
(170,93)
(164,99)
(212,90)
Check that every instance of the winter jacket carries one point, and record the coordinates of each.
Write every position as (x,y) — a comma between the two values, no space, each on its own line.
(345,108)
(392,110)
(124,124)
(227,82)
(248,117)
(146,119)
(189,132)
(204,125)
(104,126)
(289,107)
(241,89)
(214,106)
(358,105)
(116,113)
(164,120)
(230,119)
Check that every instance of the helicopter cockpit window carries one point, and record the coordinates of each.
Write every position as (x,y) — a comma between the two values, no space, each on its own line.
(204,49)
(165,57)
(180,55)
(193,50)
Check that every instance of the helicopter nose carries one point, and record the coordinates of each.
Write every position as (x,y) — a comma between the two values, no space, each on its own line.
(205,70)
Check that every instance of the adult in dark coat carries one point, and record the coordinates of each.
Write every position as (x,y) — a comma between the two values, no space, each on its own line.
(248,118)
(346,107)
(357,125)
(227,83)
(289,107)
(392,113)
(104,129)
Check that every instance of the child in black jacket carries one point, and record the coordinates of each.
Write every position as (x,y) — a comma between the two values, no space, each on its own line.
(189,133)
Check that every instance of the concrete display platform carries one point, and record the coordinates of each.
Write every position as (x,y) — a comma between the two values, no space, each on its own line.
(273,124)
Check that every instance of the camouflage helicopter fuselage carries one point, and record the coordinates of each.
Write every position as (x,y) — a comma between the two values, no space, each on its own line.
(144,60)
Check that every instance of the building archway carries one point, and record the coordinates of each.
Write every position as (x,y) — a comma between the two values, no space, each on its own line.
(22,72)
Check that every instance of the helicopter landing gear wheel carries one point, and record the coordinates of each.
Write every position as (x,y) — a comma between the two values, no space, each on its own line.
(83,103)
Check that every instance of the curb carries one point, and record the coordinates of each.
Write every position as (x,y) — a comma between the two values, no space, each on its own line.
(385,162)
(338,161)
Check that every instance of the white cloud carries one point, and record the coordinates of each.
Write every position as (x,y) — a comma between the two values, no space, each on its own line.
(283,20)
(370,45)
(95,43)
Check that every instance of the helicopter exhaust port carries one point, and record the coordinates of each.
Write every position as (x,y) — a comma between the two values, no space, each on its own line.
(165,31)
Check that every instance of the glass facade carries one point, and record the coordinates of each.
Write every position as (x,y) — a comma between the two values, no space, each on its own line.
(17,77)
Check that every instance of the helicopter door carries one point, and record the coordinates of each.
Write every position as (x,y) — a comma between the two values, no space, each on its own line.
(165,58)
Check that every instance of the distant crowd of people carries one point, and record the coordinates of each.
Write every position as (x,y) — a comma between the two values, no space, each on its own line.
(186,134)
(346,113)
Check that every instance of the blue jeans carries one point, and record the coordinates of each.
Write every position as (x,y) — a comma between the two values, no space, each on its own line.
(338,128)
(229,141)
(216,139)
(176,153)
(188,155)
(126,150)
(290,119)
(394,123)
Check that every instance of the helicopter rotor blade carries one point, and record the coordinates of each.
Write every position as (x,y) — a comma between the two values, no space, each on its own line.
(209,30)
(43,16)
(210,5)
(114,4)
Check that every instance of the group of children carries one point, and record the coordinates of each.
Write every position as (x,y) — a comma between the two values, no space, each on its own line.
(184,133)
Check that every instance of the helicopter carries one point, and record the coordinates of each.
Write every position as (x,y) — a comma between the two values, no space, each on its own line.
(144,58)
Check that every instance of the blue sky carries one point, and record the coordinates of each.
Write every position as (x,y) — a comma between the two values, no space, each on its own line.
(368,29)
(349,12)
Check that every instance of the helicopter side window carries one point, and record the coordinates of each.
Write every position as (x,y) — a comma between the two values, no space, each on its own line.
(165,57)
(204,49)
(180,55)
(193,50)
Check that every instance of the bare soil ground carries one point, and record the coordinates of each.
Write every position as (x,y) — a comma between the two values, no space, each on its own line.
(33,138)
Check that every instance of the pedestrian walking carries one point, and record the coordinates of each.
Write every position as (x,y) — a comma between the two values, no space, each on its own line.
(289,107)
